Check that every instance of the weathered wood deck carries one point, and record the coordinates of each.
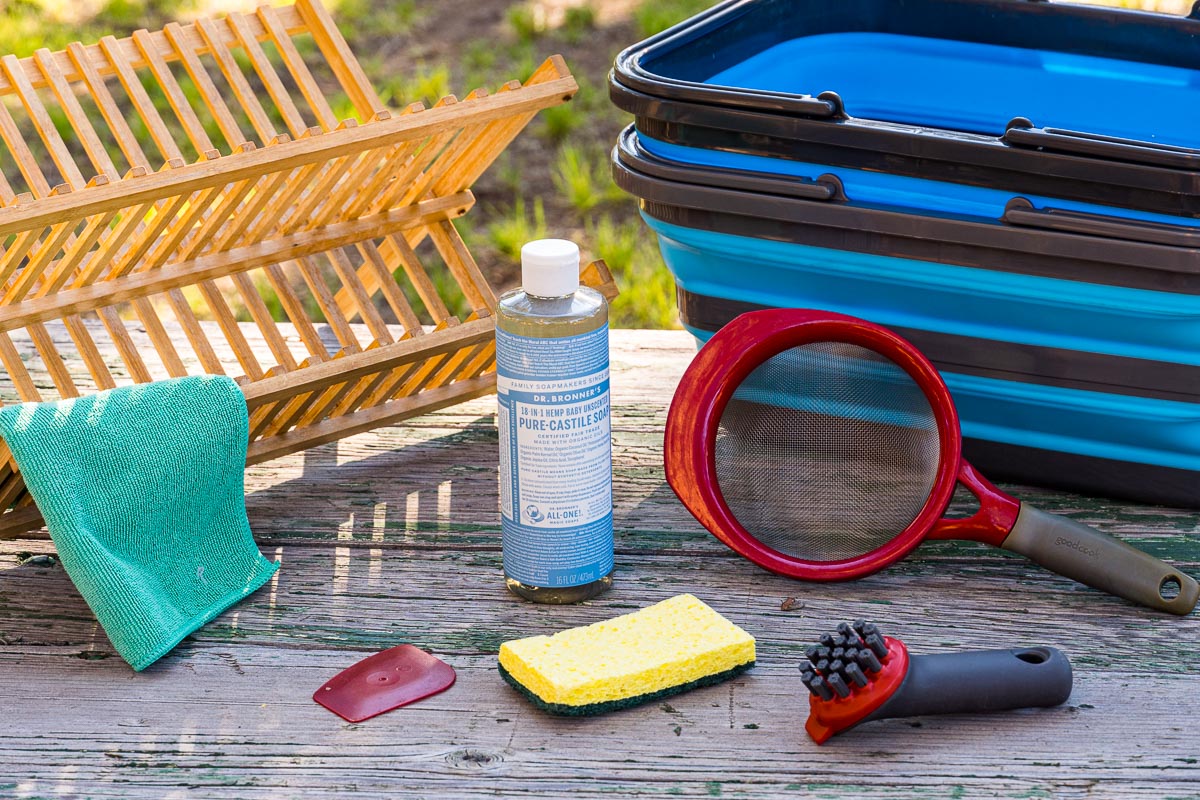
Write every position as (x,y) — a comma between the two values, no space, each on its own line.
(392,537)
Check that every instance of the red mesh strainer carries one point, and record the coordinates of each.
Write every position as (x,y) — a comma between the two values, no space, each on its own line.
(824,447)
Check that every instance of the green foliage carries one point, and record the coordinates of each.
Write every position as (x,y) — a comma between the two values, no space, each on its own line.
(522,59)
(25,27)
(584,179)
(509,172)
(647,298)
(559,121)
(131,14)
(390,18)
(479,63)
(425,83)
(524,22)
(443,280)
(578,22)
(511,231)
(653,16)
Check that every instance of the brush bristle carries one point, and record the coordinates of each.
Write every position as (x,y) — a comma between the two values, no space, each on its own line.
(845,660)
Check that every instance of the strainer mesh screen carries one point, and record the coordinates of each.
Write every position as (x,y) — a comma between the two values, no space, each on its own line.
(827,451)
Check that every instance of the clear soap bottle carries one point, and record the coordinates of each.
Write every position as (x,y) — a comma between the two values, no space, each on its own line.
(555,430)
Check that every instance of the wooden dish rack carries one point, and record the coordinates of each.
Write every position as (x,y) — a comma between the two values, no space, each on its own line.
(255,190)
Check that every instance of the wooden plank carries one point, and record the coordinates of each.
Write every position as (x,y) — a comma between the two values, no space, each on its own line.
(194,332)
(247,38)
(93,79)
(182,224)
(11,489)
(141,100)
(277,30)
(367,362)
(225,120)
(14,366)
(90,354)
(417,169)
(363,305)
(310,271)
(339,57)
(158,335)
(462,266)
(124,344)
(296,313)
(263,202)
(75,301)
(174,93)
(39,260)
(338,427)
(75,254)
(333,205)
(262,318)
(324,402)
(373,262)
(222,213)
(281,416)
(53,362)
(129,259)
(233,334)
(14,257)
(215,35)
(480,739)
(395,249)
(286,155)
(298,181)
(94,60)
(27,163)
(43,125)
(296,216)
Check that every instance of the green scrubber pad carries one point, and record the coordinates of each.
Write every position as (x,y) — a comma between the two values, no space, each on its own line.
(142,490)
(664,649)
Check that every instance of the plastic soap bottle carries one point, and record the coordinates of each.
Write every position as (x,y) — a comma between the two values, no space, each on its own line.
(555,431)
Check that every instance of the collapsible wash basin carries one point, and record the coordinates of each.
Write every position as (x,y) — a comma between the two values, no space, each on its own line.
(1057,101)
(1093,387)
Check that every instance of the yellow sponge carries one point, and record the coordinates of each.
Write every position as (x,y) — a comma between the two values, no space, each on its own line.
(661,650)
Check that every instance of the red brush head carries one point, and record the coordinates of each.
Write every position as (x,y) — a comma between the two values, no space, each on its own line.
(850,674)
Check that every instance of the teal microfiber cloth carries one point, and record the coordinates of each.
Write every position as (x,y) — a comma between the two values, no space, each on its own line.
(143,491)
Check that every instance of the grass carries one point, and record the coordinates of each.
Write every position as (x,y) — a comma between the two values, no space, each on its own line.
(654,16)
(647,298)
(577,22)
(525,22)
(559,122)
(383,19)
(512,230)
(427,84)
(583,179)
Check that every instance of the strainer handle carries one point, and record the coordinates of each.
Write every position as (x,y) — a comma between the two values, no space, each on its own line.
(1085,554)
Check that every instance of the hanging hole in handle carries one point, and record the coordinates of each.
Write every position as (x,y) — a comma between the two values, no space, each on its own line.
(1170,588)
(1034,655)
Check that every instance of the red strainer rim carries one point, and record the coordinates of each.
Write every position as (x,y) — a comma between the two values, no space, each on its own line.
(710,381)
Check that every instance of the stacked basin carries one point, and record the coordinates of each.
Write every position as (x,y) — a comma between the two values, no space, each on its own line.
(1010,184)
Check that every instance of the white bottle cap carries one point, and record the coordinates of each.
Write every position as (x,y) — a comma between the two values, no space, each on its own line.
(550,267)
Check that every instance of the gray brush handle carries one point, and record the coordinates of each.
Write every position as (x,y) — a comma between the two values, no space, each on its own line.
(1102,562)
(980,680)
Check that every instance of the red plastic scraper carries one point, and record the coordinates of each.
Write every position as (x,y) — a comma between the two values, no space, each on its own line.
(384,681)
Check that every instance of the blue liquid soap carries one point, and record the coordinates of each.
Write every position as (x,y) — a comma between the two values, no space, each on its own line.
(555,431)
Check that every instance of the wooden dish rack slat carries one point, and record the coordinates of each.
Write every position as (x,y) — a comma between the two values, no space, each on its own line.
(258,189)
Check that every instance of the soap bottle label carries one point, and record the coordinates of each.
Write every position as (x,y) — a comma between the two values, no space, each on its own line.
(555,458)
